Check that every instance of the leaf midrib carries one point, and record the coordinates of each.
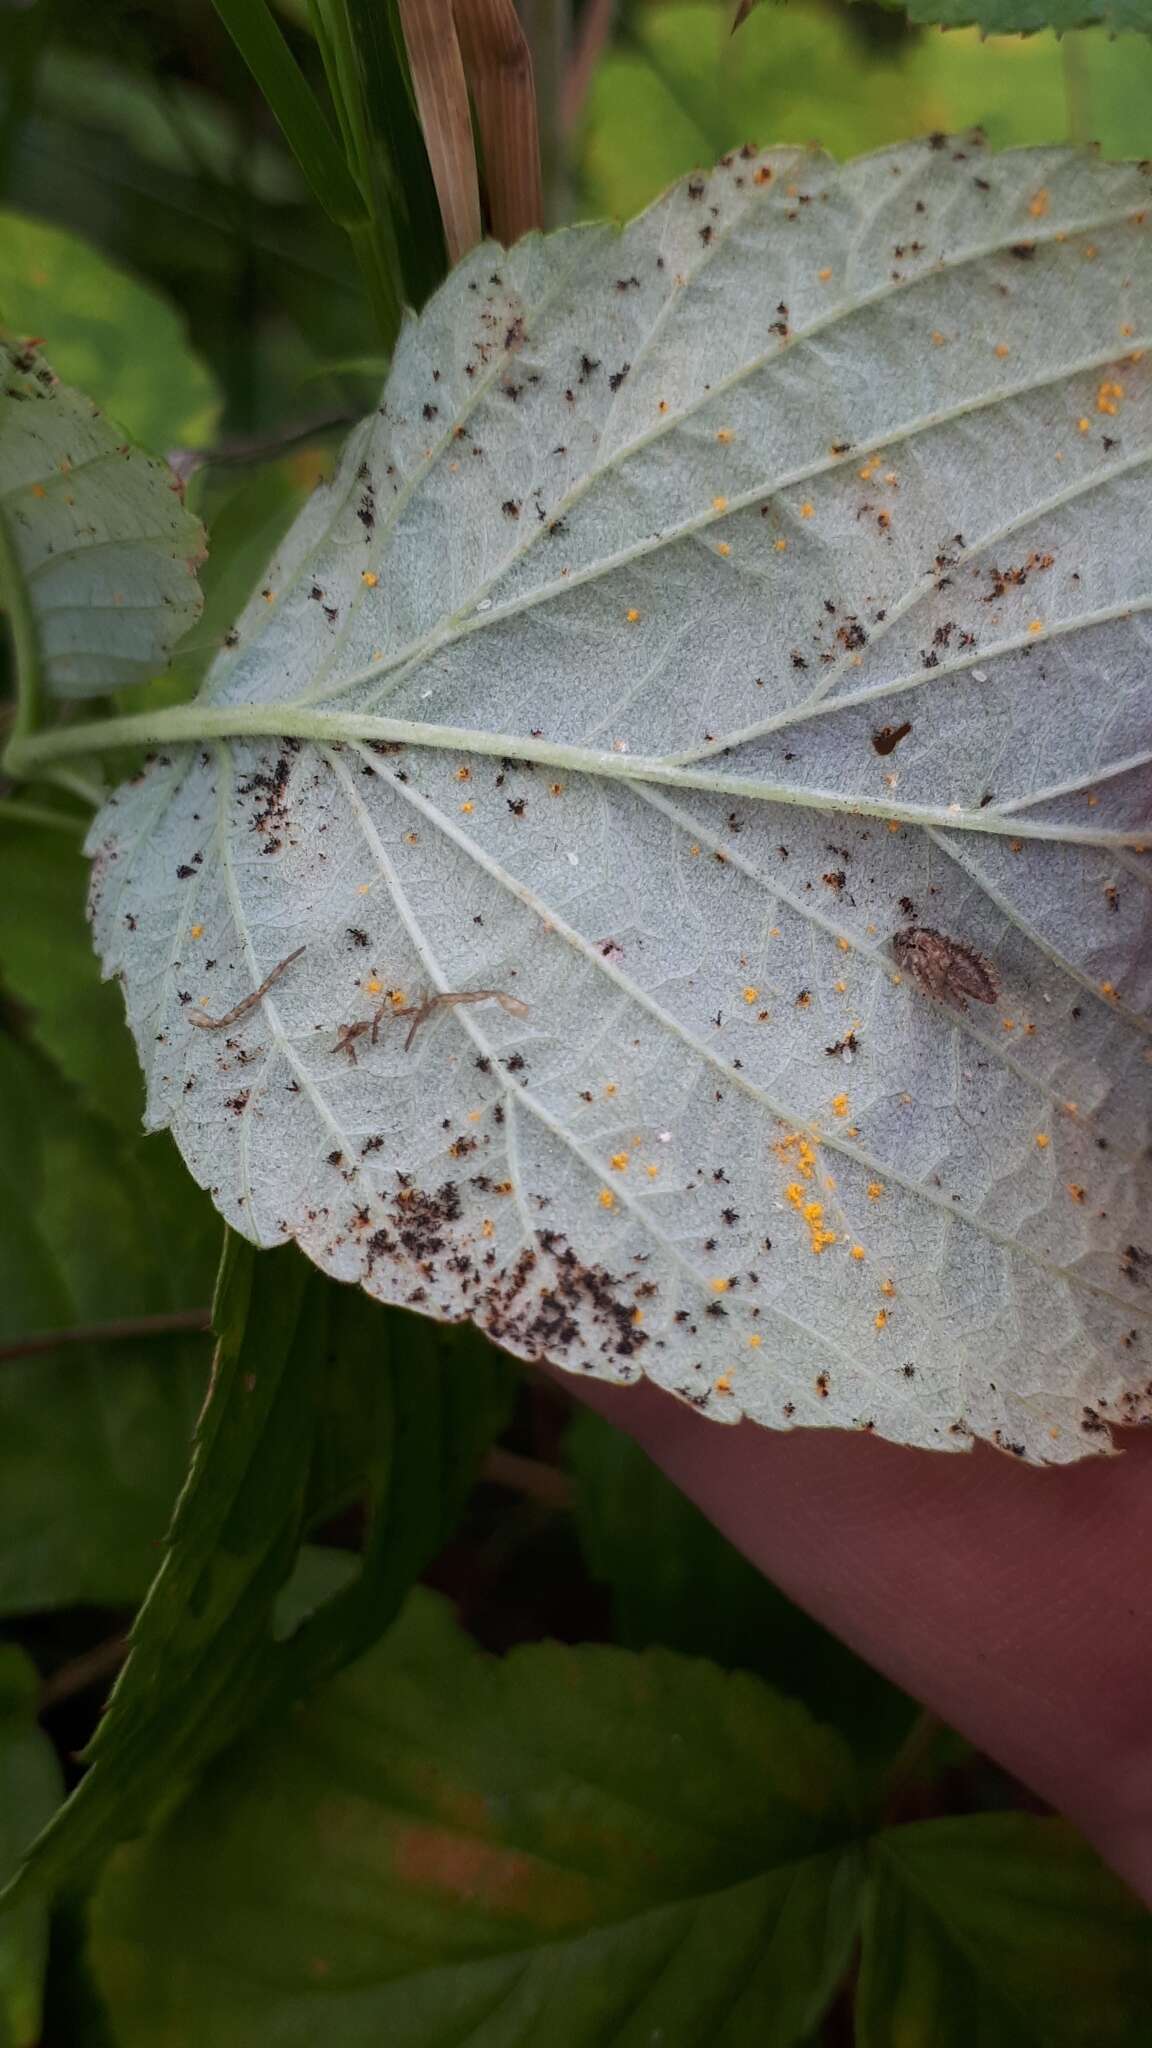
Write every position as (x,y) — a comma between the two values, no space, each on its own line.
(830,1140)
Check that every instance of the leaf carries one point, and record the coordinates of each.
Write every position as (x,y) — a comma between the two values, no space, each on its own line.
(29,1790)
(97,554)
(1002,1929)
(252,519)
(98,1225)
(46,966)
(663,723)
(1025,17)
(681,90)
(677,1582)
(268,54)
(213,1648)
(95,1228)
(112,337)
(567,1846)
(198,1635)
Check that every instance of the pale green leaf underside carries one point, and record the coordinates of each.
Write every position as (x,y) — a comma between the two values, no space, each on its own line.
(580,662)
(99,547)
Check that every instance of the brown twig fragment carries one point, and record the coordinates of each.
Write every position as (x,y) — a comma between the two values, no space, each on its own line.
(443,1000)
(441,91)
(498,63)
(115,1332)
(91,1667)
(448,1000)
(249,1002)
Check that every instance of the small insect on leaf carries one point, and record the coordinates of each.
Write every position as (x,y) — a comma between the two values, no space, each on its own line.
(943,967)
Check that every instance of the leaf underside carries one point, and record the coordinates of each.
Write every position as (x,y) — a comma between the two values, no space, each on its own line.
(705,605)
(104,548)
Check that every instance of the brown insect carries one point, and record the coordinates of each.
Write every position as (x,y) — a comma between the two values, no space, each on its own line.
(249,1002)
(943,967)
(442,1000)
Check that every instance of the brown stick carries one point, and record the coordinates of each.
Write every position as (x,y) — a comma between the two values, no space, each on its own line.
(108,1333)
(442,99)
(249,1002)
(498,62)
(448,1000)
(591,38)
(103,1661)
(528,1476)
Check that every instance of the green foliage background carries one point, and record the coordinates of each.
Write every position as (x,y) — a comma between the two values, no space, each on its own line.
(679,1829)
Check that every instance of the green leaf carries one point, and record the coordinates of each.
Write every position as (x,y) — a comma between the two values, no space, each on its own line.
(1013,17)
(437,1404)
(47,966)
(570,1846)
(30,1789)
(823,491)
(184,130)
(398,142)
(1018,89)
(261,42)
(243,529)
(1025,17)
(1001,1929)
(676,1581)
(112,337)
(98,557)
(200,1632)
(146,169)
(679,89)
(207,1653)
(97,1227)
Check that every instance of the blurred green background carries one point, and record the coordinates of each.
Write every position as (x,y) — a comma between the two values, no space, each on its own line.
(192,285)
(156,234)
(138,129)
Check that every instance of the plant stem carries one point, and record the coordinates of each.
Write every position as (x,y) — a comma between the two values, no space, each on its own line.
(107,1333)
(14,599)
(103,1661)
(14,811)
(379,280)
(909,1766)
(1077,89)
(529,1476)
(373,238)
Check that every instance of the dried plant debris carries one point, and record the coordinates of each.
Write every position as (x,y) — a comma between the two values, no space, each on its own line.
(684,1106)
